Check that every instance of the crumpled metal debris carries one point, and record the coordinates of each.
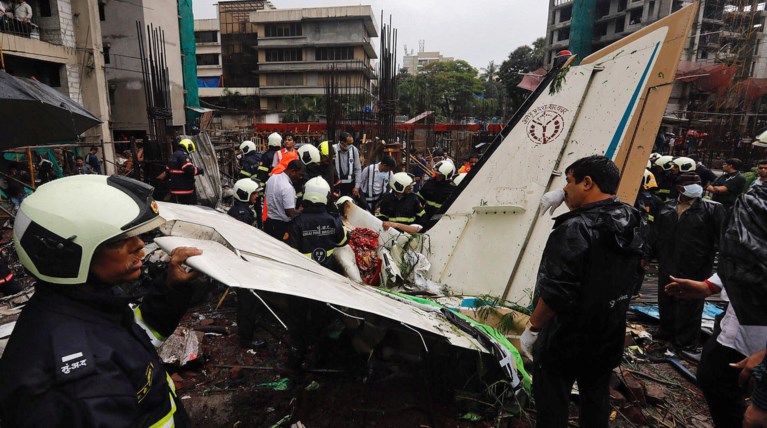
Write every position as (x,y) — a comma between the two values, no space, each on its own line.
(180,348)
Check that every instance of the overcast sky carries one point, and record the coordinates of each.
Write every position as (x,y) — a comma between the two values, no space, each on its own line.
(477,31)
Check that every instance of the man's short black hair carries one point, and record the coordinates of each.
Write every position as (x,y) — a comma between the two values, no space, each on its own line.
(388,161)
(77,158)
(344,136)
(288,134)
(602,171)
(96,148)
(295,165)
(762,162)
(735,163)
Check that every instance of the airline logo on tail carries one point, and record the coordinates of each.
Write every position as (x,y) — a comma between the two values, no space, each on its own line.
(545,123)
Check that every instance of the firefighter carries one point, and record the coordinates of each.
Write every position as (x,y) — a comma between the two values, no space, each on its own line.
(181,171)
(246,192)
(79,354)
(267,158)
(315,232)
(435,192)
(400,205)
(250,161)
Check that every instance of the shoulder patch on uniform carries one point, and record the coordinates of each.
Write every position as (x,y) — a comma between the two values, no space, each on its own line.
(72,355)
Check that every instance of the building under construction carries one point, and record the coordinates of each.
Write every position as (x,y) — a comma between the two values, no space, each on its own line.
(716,104)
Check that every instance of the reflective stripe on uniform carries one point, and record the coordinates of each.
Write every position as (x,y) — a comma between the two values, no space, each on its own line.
(650,218)
(402,219)
(181,192)
(245,173)
(345,239)
(664,191)
(263,168)
(434,204)
(175,171)
(167,420)
(154,337)
(6,279)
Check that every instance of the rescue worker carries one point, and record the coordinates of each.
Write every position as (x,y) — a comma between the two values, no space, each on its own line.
(310,158)
(469,164)
(647,202)
(267,158)
(585,280)
(348,167)
(250,160)
(326,162)
(315,232)
(375,179)
(662,171)
(79,355)
(685,238)
(181,172)
(280,197)
(706,175)
(400,205)
(729,185)
(285,155)
(437,190)
(246,193)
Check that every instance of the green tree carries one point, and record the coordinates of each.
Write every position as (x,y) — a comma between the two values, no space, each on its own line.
(523,59)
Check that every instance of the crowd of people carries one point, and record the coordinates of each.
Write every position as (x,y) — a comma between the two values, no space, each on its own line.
(685,217)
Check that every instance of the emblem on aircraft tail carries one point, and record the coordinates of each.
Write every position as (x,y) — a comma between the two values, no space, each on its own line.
(545,123)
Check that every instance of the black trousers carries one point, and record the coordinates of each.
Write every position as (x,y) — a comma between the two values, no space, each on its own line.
(719,383)
(190,199)
(552,398)
(277,229)
(679,318)
(248,314)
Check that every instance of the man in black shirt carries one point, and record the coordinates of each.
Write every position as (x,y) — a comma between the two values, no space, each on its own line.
(729,185)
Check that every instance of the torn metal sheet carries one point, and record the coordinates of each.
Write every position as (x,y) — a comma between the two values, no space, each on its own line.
(247,271)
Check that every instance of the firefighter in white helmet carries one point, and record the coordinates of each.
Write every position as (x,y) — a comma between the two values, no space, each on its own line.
(438,189)
(274,143)
(78,350)
(315,217)
(250,160)
(401,205)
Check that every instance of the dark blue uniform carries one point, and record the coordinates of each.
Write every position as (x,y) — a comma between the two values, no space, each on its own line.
(181,171)
(400,210)
(86,359)
(249,165)
(316,232)
(242,212)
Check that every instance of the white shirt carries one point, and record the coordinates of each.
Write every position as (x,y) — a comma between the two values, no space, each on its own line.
(746,339)
(280,197)
(379,180)
(23,11)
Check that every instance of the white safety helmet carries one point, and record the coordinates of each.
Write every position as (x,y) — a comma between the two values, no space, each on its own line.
(665,162)
(317,190)
(459,178)
(57,229)
(685,164)
(401,181)
(445,167)
(275,140)
(245,187)
(309,154)
(649,165)
(654,157)
(344,199)
(247,147)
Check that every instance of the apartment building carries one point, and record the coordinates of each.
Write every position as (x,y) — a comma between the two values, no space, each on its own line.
(272,55)
(414,62)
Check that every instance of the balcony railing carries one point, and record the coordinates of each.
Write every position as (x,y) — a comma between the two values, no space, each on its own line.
(38,29)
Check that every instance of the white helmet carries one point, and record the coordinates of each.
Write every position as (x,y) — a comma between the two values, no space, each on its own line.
(275,140)
(317,190)
(654,157)
(309,154)
(648,180)
(344,199)
(459,178)
(247,147)
(57,229)
(665,162)
(445,167)
(401,181)
(649,165)
(685,164)
(245,187)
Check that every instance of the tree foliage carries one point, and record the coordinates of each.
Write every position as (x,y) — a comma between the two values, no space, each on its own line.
(523,59)
(450,88)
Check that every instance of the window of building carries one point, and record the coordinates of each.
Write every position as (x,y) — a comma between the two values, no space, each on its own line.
(651,9)
(600,29)
(207,59)
(620,24)
(635,17)
(283,55)
(102,12)
(563,34)
(285,79)
(289,29)
(206,36)
(106,54)
(602,9)
(335,53)
(565,14)
(621,5)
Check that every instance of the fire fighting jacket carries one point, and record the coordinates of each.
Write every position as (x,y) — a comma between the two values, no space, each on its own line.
(243,212)
(79,359)
(686,245)
(182,171)
(406,210)
(265,166)
(434,193)
(587,275)
(249,165)
(316,233)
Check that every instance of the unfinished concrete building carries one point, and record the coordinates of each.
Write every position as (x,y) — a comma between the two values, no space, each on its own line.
(722,75)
